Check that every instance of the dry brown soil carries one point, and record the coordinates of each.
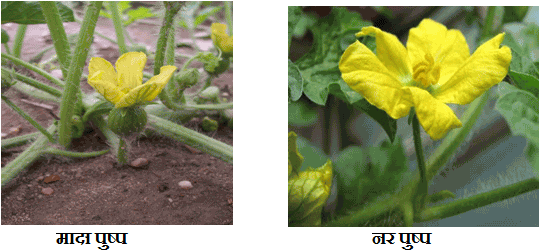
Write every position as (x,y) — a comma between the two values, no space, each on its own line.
(96,191)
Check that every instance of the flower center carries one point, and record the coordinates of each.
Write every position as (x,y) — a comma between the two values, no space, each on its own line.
(427,72)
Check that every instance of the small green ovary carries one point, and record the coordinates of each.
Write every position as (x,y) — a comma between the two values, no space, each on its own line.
(127,121)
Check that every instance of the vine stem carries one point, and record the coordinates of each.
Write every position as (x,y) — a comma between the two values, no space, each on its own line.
(72,154)
(192,138)
(33,83)
(455,138)
(423,184)
(27,157)
(122,152)
(171,9)
(228,15)
(18,41)
(463,205)
(38,70)
(58,33)
(78,61)
(115,14)
(28,118)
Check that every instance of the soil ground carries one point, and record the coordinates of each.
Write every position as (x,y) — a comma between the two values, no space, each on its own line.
(96,191)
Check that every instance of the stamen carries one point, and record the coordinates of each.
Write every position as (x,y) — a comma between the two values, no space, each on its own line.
(427,72)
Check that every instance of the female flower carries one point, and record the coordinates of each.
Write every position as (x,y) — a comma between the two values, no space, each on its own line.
(434,69)
(124,87)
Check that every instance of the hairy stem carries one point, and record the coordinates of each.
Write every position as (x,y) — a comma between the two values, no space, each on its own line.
(463,205)
(29,66)
(423,184)
(192,138)
(19,39)
(455,138)
(19,140)
(73,154)
(58,34)
(171,9)
(26,158)
(113,8)
(34,83)
(75,70)
(28,118)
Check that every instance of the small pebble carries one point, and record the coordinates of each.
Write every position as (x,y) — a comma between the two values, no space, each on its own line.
(139,162)
(51,178)
(40,178)
(186,185)
(47,191)
(14,130)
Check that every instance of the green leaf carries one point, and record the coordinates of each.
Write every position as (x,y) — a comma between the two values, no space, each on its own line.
(350,180)
(514,13)
(319,67)
(532,154)
(521,111)
(205,13)
(301,114)
(521,61)
(139,13)
(381,117)
(5,36)
(294,15)
(525,82)
(504,88)
(365,174)
(30,13)
(439,196)
(100,107)
(187,15)
(295,82)
(314,155)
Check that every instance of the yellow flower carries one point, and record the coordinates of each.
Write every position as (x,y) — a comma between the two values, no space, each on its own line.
(220,38)
(124,87)
(434,69)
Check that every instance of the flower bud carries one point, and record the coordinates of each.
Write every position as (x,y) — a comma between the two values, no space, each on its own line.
(210,93)
(209,124)
(188,78)
(221,67)
(77,126)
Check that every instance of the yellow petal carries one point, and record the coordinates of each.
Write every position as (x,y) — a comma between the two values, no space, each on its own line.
(365,74)
(448,47)
(129,67)
(391,52)
(105,87)
(161,80)
(435,117)
(149,90)
(485,68)
(102,65)
(137,95)
(220,37)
